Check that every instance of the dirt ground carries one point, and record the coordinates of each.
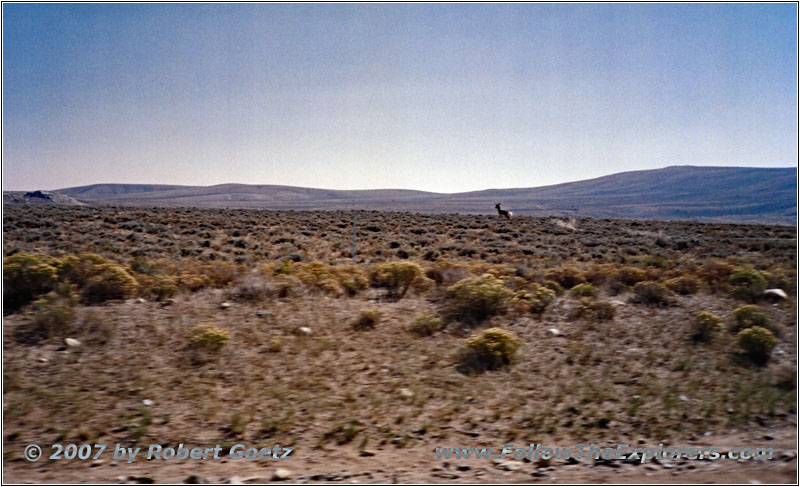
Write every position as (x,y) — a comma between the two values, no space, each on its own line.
(419,465)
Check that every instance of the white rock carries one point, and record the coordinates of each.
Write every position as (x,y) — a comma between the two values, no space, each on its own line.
(282,474)
(73,343)
(617,302)
(139,300)
(683,398)
(225,305)
(776,292)
(148,402)
(406,393)
(554,332)
(304,330)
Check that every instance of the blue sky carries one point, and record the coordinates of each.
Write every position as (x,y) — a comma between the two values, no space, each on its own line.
(438,97)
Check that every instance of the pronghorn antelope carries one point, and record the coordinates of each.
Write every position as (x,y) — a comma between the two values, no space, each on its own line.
(503,212)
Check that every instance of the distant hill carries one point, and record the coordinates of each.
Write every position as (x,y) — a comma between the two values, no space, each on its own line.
(39,198)
(720,194)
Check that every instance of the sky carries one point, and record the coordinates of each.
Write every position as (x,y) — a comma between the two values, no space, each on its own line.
(435,97)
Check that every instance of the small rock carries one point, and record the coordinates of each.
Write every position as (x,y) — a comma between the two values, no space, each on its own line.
(617,302)
(263,313)
(304,330)
(683,398)
(554,332)
(753,481)
(42,360)
(406,393)
(543,462)
(168,302)
(235,480)
(510,466)
(539,474)
(282,474)
(225,305)
(72,343)
(462,468)
(366,453)
(148,402)
(769,437)
(444,475)
(777,293)
(96,463)
(139,300)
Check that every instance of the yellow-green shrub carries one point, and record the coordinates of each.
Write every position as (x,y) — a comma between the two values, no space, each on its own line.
(398,277)
(748,284)
(704,325)
(491,349)
(649,292)
(596,310)
(567,277)
(26,276)
(367,319)
(111,282)
(542,297)
(426,325)
(54,315)
(632,275)
(757,343)
(598,274)
(209,338)
(683,285)
(747,317)
(475,299)
(585,290)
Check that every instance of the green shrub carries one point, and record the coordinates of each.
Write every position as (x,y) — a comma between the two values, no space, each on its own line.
(584,291)
(398,277)
(683,285)
(426,325)
(368,319)
(748,317)
(209,338)
(650,292)
(757,343)
(475,299)
(748,284)
(26,276)
(704,325)
(489,350)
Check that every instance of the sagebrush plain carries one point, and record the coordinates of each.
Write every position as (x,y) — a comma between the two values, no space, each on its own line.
(212,326)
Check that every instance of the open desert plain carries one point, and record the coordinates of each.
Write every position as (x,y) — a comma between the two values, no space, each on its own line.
(131,327)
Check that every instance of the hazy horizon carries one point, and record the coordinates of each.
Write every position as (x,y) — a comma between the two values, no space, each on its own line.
(372,189)
(431,97)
